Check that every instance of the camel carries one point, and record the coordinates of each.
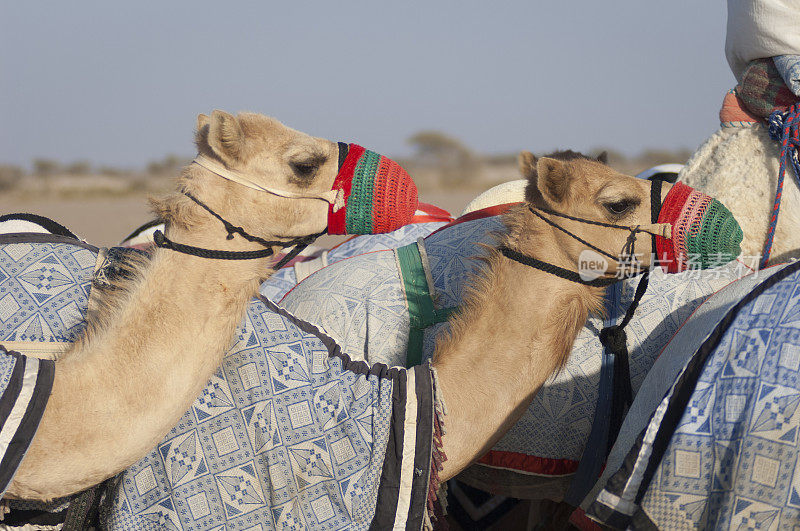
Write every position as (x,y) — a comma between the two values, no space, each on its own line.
(482,367)
(153,341)
(739,166)
(379,304)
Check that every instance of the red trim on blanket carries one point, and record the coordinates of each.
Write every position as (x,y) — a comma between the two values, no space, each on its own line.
(429,210)
(529,463)
(494,210)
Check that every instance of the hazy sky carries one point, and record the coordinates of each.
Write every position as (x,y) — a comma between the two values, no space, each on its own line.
(121,83)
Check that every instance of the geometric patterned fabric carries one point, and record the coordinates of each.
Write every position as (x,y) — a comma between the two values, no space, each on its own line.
(44,287)
(288,434)
(360,303)
(722,449)
(283,280)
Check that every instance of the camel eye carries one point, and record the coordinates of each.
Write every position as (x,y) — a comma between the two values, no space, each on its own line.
(618,208)
(304,169)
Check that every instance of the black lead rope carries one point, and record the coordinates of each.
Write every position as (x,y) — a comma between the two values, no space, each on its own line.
(615,340)
(299,243)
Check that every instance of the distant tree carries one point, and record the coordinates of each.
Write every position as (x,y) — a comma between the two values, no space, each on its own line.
(438,148)
(80,167)
(10,176)
(45,167)
(653,157)
(455,161)
(169,164)
(110,171)
(501,159)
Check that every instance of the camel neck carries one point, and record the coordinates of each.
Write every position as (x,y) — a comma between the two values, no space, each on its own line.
(488,366)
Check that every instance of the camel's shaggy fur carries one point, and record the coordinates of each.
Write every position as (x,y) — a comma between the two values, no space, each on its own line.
(739,167)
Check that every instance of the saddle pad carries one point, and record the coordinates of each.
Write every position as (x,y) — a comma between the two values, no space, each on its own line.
(360,303)
(289,434)
(276,287)
(44,288)
(721,449)
(25,384)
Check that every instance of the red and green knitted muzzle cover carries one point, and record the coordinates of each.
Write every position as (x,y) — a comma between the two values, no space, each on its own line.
(704,233)
(379,196)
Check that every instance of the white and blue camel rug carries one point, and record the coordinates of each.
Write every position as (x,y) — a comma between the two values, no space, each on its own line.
(283,280)
(288,434)
(714,440)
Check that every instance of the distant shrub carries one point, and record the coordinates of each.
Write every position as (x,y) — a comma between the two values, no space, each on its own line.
(45,167)
(81,167)
(10,176)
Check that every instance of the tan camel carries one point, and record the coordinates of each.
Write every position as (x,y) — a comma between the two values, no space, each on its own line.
(517,324)
(153,345)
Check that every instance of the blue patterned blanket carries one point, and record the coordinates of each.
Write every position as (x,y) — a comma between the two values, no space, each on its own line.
(288,434)
(714,442)
(41,305)
(363,303)
(279,284)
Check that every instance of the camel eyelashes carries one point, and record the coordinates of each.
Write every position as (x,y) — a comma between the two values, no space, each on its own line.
(305,169)
(620,207)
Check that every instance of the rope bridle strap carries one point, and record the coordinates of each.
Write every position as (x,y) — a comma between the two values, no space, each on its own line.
(558,271)
(298,243)
(655,229)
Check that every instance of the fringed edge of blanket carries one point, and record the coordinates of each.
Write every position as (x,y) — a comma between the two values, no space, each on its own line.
(437,492)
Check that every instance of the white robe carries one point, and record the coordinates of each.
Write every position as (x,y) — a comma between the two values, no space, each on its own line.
(761,28)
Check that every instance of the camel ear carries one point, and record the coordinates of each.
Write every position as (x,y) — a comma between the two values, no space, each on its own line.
(201,129)
(553,179)
(202,121)
(527,168)
(527,164)
(603,157)
(225,136)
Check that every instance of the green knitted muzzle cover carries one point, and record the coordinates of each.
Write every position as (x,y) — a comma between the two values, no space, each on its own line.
(717,239)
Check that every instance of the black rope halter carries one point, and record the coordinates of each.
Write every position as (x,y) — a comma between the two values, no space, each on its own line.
(298,243)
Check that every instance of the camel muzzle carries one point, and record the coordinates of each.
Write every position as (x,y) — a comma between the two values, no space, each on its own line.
(704,233)
(377,194)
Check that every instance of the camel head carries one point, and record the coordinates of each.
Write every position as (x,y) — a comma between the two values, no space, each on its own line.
(690,229)
(278,182)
